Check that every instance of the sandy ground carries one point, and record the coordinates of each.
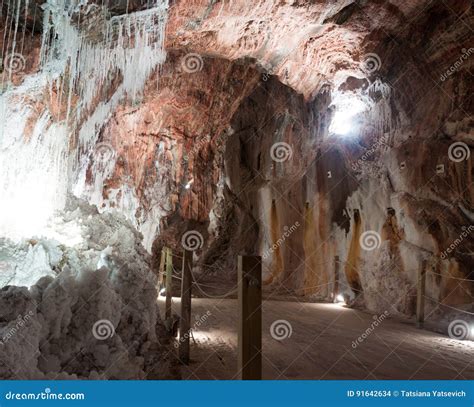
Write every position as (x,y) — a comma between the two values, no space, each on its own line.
(320,346)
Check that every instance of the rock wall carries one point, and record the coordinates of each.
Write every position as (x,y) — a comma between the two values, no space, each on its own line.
(236,138)
(391,200)
(400,174)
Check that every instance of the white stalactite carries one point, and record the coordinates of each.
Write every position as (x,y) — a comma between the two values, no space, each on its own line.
(78,62)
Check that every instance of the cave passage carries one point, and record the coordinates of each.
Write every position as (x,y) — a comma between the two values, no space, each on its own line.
(325,342)
(194,190)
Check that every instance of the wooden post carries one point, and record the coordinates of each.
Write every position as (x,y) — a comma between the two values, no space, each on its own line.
(185,320)
(161,272)
(250,317)
(336,278)
(169,282)
(420,296)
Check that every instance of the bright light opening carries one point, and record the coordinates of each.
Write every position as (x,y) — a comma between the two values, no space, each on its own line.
(347,107)
(340,298)
(188,185)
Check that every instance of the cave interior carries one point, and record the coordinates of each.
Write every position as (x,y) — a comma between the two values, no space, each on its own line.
(330,140)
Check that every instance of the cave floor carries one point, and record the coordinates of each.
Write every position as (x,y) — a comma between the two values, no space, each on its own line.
(320,346)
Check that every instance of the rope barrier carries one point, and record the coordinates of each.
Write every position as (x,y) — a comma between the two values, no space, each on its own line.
(406,295)
(448,306)
(209,286)
(218,268)
(207,295)
(198,285)
(450,277)
(234,290)
(215,268)
(432,272)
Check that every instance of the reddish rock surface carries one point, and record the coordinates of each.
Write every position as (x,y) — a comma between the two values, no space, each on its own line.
(243,76)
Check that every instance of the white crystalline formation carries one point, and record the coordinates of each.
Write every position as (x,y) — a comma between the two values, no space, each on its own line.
(104,279)
(85,270)
(79,59)
(130,45)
